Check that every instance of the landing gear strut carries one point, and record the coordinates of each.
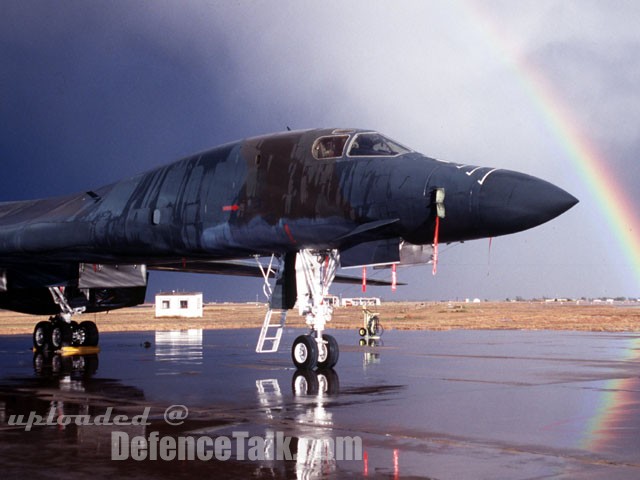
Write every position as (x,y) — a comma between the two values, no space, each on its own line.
(315,271)
(60,331)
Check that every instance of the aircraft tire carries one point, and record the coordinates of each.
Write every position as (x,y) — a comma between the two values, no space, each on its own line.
(333,353)
(42,336)
(304,352)
(91,335)
(61,335)
(362,331)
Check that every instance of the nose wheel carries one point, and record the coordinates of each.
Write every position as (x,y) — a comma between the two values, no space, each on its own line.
(309,352)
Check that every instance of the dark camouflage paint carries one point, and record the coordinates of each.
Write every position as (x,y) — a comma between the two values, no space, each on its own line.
(260,196)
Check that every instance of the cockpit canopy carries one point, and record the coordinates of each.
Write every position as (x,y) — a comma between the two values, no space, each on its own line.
(331,146)
(366,144)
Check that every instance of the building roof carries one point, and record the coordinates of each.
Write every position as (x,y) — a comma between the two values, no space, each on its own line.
(182,294)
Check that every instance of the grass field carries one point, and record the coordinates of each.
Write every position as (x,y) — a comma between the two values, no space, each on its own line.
(395,315)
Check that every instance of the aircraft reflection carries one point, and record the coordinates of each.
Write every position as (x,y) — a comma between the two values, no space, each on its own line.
(62,389)
(321,382)
(312,443)
(70,367)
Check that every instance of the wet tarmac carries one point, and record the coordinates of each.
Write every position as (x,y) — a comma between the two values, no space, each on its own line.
(442,405)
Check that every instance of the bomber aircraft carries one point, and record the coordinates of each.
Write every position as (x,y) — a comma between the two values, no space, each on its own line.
(307,201)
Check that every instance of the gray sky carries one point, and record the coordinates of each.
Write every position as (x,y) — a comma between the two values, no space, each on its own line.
(91,92)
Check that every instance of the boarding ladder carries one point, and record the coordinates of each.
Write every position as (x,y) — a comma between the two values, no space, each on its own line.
(271,332)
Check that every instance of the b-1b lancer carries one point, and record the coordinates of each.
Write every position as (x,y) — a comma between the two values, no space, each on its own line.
(311,201)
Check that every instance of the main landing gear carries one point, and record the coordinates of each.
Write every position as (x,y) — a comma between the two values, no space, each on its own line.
(60,331)
(57,333)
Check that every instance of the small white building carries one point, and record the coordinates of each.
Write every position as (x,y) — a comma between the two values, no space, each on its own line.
(179,304)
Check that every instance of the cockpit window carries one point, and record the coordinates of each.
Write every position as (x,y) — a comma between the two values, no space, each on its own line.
(374,144)
(330,146)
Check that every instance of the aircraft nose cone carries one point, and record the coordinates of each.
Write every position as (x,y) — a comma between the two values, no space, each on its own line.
(510,202)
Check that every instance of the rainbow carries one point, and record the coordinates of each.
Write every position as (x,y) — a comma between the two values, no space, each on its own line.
(615,410)
(614,205)
(615,406)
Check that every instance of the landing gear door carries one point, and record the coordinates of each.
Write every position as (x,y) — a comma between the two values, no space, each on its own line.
(112,276)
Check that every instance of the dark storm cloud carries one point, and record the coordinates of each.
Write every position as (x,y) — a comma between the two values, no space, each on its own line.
(89,87)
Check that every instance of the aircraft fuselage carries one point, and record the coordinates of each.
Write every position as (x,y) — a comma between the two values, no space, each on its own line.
(274,194)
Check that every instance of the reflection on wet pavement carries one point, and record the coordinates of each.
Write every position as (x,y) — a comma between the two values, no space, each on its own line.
(178,348)
(423,404)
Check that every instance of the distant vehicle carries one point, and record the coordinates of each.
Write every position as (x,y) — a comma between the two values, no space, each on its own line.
(311,200)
